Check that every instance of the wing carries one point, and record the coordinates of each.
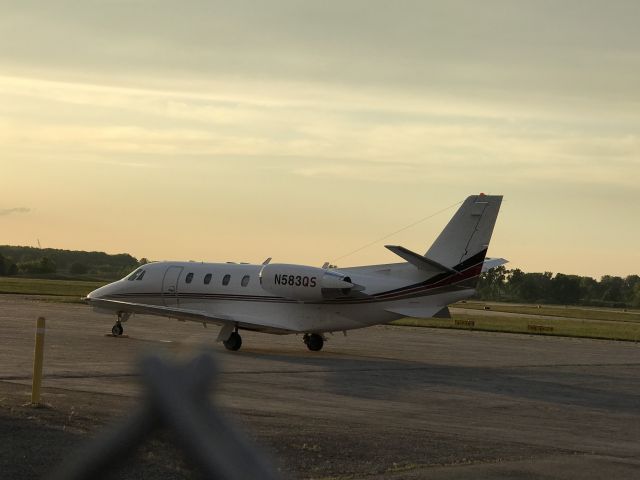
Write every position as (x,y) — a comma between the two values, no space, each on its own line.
(490,263)
(427,311)
(243,321)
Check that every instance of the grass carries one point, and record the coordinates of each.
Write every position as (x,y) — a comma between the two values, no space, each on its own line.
(565,327)
(38,286)
(586,313)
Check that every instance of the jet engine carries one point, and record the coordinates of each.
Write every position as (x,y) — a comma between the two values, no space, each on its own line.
(304,283)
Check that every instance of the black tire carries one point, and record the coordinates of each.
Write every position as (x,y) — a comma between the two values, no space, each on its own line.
(117,330)
(234,342)
(314,342)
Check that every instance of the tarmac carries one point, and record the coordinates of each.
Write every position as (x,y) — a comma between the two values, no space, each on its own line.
(383,402)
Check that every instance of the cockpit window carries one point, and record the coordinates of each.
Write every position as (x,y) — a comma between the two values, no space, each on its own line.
(189,278)
(141,275)
(207,279)
(134,275)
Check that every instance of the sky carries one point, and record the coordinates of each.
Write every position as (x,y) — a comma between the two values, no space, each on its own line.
(302,131)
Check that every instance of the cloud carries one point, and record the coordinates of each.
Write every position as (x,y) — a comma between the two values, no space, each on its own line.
(327,134)
(9,211)
(492,49)
(125,164)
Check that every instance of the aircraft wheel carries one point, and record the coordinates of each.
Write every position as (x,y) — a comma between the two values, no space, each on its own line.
(314,342)
(117,330)
(234,342)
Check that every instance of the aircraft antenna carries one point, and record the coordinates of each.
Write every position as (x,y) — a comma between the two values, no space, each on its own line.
(397,231)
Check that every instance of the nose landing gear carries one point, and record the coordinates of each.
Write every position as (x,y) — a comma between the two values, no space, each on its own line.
(117,330)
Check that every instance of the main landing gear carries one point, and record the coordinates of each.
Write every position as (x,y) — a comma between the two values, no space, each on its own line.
(117,330)
(313,341)
(234,342)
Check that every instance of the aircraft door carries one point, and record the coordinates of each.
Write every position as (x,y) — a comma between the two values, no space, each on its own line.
(170,286)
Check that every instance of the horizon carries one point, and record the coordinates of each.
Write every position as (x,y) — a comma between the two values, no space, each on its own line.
(150,260)
(305,131)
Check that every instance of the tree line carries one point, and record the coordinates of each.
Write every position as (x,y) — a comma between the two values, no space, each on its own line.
(501,284)
(56,263)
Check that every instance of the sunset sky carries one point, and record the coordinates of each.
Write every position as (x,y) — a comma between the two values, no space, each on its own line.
(240,130)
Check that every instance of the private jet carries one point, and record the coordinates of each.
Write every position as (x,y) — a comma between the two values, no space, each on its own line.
(281,298)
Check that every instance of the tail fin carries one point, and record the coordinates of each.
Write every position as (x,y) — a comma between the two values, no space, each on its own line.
(468,233)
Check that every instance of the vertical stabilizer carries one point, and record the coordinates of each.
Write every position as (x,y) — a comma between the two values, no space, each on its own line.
(468,233)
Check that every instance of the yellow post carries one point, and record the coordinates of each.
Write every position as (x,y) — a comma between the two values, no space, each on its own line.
(38,355)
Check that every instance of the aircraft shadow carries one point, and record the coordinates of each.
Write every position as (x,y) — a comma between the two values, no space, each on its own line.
(389,379)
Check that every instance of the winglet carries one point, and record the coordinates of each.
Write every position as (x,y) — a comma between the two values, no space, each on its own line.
(419,261)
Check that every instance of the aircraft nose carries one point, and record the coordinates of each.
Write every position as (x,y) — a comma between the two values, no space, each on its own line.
(96,294)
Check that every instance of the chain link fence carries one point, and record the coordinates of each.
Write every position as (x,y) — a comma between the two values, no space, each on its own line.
(176,398)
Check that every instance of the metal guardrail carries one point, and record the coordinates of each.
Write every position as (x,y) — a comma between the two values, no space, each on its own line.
(176,398)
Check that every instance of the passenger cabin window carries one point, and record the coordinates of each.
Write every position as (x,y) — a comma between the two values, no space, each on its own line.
(141,275)
(134,275)
(207,279)
(226,279)
(189,278)
(245,280)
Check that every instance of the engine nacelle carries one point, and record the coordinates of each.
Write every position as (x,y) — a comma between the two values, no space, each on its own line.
(304,283)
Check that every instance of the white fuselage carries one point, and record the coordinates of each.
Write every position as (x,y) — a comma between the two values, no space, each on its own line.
(229,290)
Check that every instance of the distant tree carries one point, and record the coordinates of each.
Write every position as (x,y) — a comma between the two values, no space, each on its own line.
(535,286)
(528,287)
(492,283)
(514,280)
(99,264)
(629,287)
(635,297)
(565,289)
(13,269)
(611,288)
(47,265)
(589,288)
(44,265)
(28,267)
(7,267)
(78,268)
(518,286)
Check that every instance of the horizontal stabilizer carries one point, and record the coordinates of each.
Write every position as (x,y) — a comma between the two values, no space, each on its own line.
(490,263)
(419,261)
